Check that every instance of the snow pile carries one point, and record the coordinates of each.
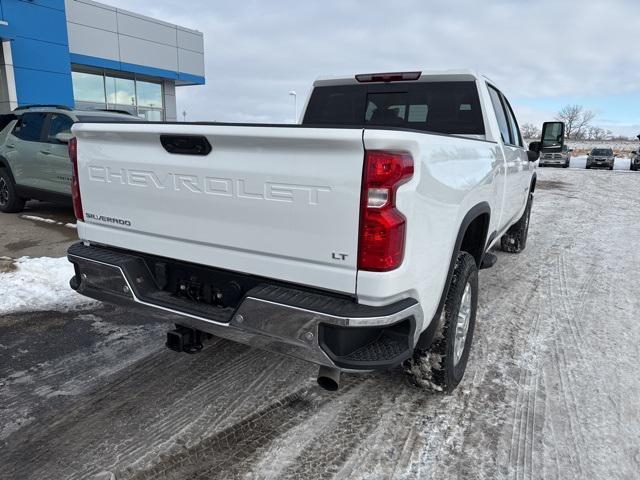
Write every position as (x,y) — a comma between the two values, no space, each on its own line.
(39,284)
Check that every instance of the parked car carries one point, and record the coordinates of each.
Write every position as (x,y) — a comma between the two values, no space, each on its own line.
(34,159)
(352,241)
(562,159)
(635,160)
(601,157)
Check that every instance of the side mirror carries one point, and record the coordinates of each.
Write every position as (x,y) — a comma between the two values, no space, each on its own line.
(64,137)
(535,146)
(553,136)
(532,155)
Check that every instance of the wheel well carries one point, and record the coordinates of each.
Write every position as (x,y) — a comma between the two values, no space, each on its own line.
(5,165)
(475,237)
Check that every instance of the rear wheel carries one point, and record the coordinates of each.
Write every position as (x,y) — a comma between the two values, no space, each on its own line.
(515,240)
(442,366)
(10,202)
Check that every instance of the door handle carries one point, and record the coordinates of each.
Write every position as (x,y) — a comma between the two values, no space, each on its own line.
(45,152)
(10,145)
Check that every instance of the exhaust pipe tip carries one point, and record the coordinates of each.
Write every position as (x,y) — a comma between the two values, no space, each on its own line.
(329,378)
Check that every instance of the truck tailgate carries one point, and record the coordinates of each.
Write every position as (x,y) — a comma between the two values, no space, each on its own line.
(277,201)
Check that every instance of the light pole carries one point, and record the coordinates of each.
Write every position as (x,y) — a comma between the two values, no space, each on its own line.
(295,105)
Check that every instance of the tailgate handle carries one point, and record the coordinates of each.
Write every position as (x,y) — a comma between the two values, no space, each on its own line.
(186,144)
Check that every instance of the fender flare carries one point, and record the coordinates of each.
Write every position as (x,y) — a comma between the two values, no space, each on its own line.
(426,337)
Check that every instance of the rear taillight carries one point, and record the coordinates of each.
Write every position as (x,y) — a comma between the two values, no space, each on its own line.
(75,184)
(382,226)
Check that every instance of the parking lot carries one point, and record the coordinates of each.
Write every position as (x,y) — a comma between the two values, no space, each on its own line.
(551,390)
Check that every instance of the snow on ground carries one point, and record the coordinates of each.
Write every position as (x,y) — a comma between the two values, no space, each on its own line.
(50,221)
(39,284)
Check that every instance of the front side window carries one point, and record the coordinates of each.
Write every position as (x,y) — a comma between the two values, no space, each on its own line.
(29,126)
(58,124)
(501,116)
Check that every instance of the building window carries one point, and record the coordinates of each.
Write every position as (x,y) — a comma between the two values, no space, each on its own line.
(88,87)
(105,90)
(121,92)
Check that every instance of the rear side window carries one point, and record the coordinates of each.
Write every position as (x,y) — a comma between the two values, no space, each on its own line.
(501,115)
(58,124)
(516,136)
(441,107)
(29,126)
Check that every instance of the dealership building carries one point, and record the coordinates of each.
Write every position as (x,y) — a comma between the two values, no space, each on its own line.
(89,55)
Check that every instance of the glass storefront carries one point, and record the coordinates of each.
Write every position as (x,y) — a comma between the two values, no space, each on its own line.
(103,90)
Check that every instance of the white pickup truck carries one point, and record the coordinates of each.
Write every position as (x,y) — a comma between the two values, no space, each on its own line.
(352,240)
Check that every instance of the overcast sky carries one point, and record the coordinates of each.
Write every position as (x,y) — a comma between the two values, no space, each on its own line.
(543,54)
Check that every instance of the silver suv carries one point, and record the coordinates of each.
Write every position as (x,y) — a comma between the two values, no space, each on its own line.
(601,157)
(34,162)
(561,159)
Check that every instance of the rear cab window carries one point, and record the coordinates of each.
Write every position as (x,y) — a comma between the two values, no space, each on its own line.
(438,107)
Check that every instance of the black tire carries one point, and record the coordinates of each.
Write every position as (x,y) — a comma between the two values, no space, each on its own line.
(611,167)
(515,240)
(566,165)
(10,202)
(437,368)
(588,167)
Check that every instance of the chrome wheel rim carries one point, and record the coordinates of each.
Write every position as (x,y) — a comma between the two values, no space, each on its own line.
(4,192)
(462,324)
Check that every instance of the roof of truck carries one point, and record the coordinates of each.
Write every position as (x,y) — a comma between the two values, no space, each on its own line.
(425,75)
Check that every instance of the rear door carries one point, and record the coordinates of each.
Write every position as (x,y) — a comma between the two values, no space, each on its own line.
(54,154)
(515,158)
(517,144)
(24,144)
(280,202)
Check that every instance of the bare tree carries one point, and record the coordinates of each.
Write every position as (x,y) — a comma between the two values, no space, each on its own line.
(598,133)
(576,119)
(530,131)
